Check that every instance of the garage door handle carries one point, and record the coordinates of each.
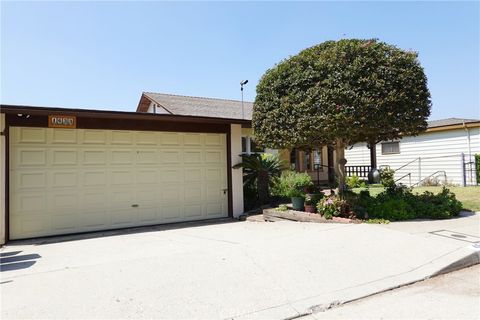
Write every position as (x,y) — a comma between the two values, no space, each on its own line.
(134,205)
(225,191)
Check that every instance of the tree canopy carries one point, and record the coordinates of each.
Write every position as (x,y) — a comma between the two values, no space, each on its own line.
(339,93)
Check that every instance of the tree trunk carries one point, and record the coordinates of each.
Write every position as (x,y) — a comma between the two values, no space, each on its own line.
(262,187)
(340,164)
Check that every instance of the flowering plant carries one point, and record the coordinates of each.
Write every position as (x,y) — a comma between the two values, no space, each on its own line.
(331,206)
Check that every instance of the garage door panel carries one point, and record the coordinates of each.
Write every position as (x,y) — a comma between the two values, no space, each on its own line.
(29,179)
(121,177)
(193,193)
(93,220)
(28,204)
(146,177)
(65,181)
(63,157)
(93,157)
(148,157)
(66,202)
(214,210)
(170,175)
(30,226)
(193,175)
(169,157)
(193,211)
(63,136)
(94,178)
(64,223)
(122,137)
(171,139)
(93,200)
(147,138)
(193,156)
(121,157)
(93,137)
(28,157)
(191,139)
(31,135)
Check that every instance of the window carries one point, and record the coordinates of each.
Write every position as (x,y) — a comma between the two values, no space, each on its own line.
(307,161)
(317,159)
(249,146)
(254,147)
(244,144)
(293,159)
(390,147)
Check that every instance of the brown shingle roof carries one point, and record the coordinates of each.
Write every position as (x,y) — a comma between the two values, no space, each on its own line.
(203,107)
(449,122)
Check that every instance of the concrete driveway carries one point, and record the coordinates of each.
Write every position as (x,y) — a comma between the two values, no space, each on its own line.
(226,270)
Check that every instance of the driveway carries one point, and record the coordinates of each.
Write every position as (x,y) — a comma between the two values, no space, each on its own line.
(240,270)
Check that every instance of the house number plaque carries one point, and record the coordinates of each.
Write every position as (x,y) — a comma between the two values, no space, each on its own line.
(55,121)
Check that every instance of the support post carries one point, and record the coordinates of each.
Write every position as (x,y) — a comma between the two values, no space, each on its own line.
(462,169)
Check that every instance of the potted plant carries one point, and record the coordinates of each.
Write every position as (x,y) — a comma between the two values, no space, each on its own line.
(293,185)
(309,205)
(297,197)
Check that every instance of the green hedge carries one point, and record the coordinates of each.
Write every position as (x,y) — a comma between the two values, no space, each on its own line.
(399,203)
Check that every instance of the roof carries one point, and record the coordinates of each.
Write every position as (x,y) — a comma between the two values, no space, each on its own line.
(107,114)
(197,106)
(449,122)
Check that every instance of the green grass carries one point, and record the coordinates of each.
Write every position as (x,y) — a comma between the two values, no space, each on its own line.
(469,196)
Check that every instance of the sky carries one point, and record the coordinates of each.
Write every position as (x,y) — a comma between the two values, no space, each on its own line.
(103,55)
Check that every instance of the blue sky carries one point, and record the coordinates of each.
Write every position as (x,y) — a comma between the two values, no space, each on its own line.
(102,55)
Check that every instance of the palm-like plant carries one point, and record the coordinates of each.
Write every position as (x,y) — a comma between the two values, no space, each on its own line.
(259,170)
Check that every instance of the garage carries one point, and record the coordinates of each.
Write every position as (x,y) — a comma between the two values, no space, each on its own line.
(135,172)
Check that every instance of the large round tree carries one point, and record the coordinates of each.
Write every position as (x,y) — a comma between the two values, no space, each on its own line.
(340,93)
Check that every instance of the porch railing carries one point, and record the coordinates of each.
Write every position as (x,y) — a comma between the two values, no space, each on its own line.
(360,171)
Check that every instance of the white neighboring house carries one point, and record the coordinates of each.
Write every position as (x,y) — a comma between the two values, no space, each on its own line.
(445,151)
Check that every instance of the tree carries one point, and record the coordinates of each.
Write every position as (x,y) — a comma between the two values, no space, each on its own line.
(340,93)
(259,170)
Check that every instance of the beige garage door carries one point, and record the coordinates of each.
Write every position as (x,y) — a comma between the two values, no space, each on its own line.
(76,180)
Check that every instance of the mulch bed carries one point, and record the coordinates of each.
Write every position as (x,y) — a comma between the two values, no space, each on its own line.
(292,215)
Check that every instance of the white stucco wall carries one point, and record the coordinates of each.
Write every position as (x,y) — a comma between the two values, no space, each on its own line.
(237,178)
(2,179)
(440,150)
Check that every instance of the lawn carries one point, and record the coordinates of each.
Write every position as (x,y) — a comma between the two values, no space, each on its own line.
(469,196)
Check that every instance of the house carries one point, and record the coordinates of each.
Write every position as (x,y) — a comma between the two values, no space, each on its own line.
(66,171)
(444,152)
(317,163)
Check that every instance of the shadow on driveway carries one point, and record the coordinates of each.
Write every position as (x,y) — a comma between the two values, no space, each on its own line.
(13,261)
(119,232)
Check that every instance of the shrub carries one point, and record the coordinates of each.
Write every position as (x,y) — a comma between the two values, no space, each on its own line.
(387,177)
(292,184)
(333,206)
(355,182)
(399,203)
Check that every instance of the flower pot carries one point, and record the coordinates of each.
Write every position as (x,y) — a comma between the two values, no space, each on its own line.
(310,208)
(297,203)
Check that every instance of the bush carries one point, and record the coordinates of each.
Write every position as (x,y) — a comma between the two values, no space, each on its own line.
(355,182)
(292,184)
(387,177)
(333,206)
(399,203)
